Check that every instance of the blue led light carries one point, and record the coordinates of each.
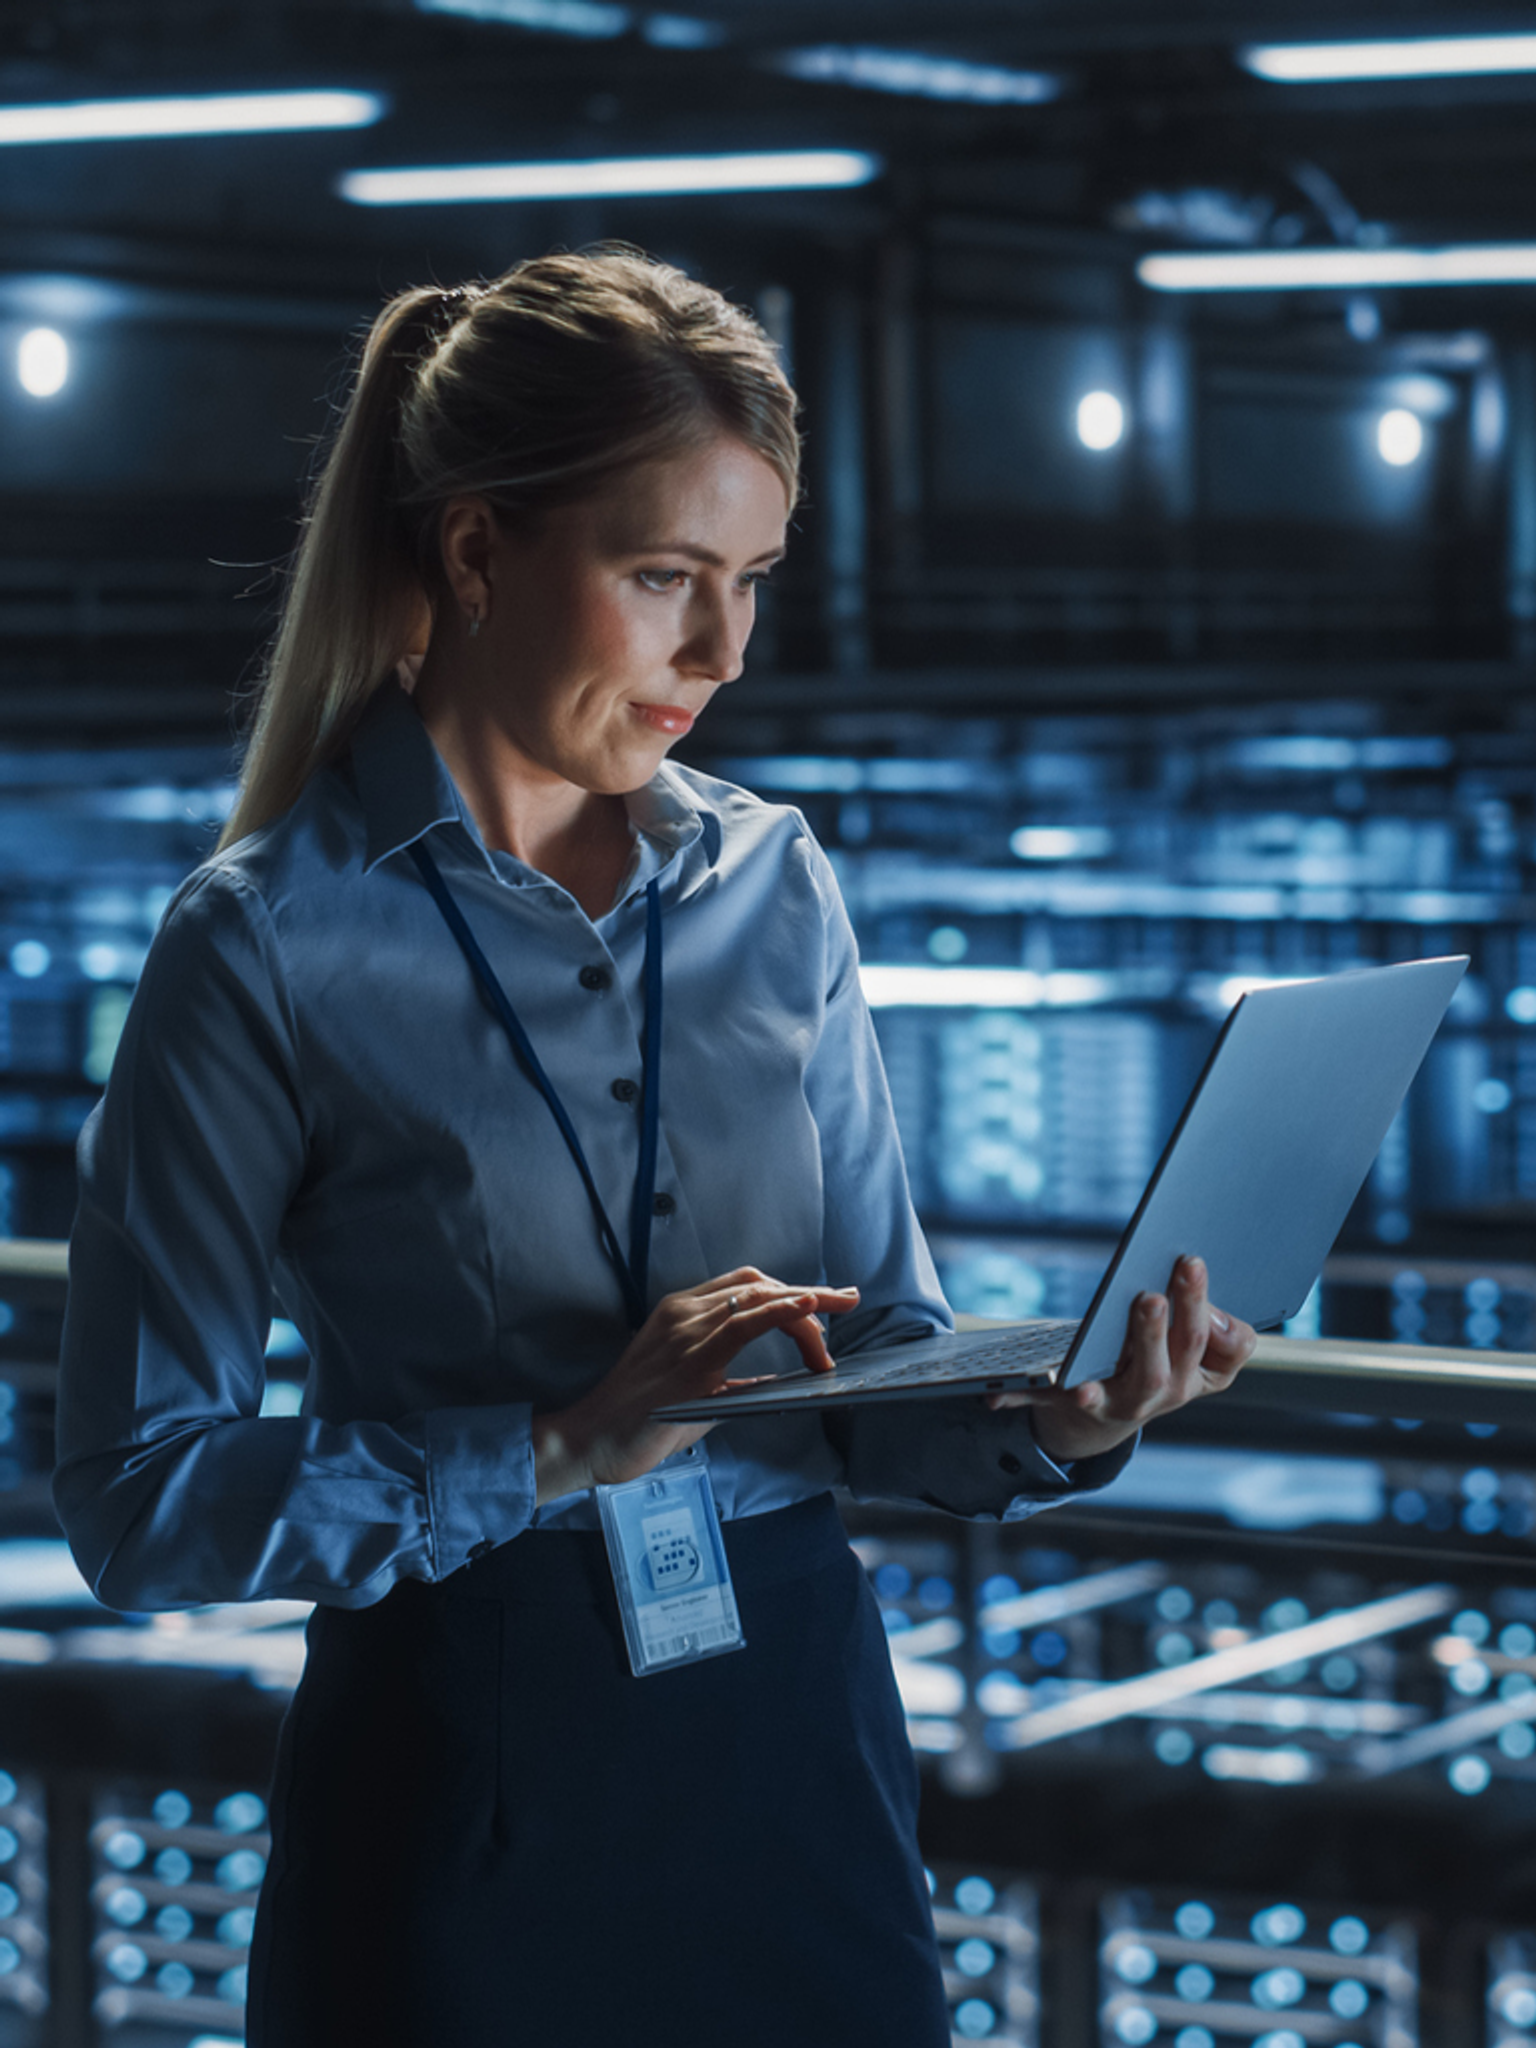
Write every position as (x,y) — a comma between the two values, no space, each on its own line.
(172,1809)
(127,1962)
(936,1592)
(240,1813)
(173,1866)
(241,1871)
(1276,1989)
(1469,1775)
(1135,1963)
(1194,1920)
(1135,2026)
(975,1957)
(10,1956)
(1276,1926)
(974,2019)
(123,1849)
(1349,1999)
(974,1895)
(892,1581)
(1349,1936)
(174,1980)
(1195,1983)
(174,1923)
(125,1906)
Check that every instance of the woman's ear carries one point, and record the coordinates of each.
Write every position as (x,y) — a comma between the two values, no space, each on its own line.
(467,536)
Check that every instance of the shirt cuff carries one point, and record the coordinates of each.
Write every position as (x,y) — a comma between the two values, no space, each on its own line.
(481,1490)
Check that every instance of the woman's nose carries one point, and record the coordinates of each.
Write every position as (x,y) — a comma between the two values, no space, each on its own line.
(717,643)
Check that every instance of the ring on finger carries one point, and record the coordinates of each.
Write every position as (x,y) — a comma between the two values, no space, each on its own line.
(732,1303)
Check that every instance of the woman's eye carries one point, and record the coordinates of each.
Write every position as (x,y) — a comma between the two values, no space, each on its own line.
(661,579)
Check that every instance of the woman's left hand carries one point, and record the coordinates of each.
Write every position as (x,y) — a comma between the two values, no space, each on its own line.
(1177,1347)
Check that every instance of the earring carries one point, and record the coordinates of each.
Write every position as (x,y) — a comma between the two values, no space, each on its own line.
(474,624)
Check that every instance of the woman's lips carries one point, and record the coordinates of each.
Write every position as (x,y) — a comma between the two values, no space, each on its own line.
(670,718)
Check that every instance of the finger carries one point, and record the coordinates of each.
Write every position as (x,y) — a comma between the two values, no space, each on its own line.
(1232,1343)
(811,1342)
(750,1297)
(1189,1326)
(733,1332)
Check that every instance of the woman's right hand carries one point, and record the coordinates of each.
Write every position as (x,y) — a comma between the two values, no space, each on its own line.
(681,1351)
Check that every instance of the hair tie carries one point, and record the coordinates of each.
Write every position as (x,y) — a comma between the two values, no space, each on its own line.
(452,302)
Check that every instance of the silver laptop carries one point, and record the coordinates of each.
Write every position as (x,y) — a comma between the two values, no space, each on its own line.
(1273,1145)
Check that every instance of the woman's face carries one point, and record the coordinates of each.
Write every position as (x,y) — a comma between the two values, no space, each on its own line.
(609,629)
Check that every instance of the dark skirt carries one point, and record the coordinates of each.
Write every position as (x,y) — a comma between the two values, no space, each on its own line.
(488,1833)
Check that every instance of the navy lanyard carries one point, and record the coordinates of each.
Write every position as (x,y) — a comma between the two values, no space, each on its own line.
(633,1272)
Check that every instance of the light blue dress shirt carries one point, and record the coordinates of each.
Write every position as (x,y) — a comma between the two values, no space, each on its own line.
(311,1097)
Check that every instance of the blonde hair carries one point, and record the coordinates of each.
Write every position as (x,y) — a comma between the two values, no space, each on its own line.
(533,391)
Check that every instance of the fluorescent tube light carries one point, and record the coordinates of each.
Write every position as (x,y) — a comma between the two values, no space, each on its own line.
(919,76)
(1411,57)
(1294,270)
(594,18)
(226,113)
(612,177)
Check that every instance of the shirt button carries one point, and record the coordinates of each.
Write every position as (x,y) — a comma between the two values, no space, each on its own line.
(624,1091)
(593,977)
(664,1204)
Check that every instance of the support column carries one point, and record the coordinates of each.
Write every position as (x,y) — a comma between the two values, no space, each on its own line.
(845,526)
(1520,560)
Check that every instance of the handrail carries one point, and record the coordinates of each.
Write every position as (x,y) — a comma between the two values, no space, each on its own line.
(1435,1382)
(33,1258)
(1430,1382)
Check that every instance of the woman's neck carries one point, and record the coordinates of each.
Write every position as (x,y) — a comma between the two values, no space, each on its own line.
(580,839)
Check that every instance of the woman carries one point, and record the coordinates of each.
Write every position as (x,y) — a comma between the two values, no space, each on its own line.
(396,1051)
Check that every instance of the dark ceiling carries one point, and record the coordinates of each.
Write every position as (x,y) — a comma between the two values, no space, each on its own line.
(1155,133)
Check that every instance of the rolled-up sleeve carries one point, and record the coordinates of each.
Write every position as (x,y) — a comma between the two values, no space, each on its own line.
(172,1487)
(953,1454)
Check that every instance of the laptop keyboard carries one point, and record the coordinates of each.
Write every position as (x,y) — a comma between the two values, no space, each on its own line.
(1041,1345)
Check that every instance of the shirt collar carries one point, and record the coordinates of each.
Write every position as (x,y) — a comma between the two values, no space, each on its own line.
(405,789)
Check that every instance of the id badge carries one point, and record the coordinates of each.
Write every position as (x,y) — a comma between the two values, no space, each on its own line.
(669,1567)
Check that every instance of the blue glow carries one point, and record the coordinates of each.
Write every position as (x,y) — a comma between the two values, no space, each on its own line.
(975,1895)
(914,75)
(591,19)
(1135,1963)
(784,170)
(239,1813)
(681,32)
(1277,1926)
(1349,1936)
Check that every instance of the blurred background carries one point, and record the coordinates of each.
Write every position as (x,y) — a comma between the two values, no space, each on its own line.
(1161,618)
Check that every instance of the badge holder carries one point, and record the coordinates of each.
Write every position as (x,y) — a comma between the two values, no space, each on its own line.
(669,1568)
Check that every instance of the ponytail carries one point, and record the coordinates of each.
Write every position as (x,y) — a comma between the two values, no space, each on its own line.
(353,585)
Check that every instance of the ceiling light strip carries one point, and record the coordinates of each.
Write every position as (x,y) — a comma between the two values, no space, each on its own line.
(1411,57)
(611,178)
(246,113)
(1281,270)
